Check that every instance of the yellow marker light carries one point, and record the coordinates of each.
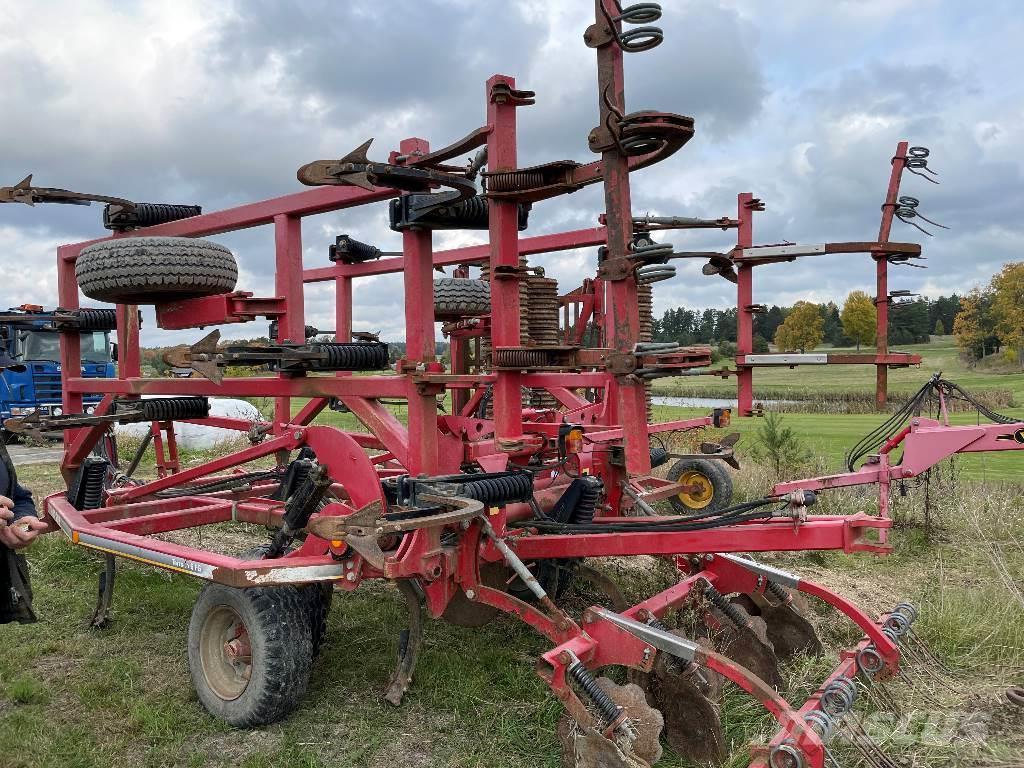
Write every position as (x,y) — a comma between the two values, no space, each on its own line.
(574,441)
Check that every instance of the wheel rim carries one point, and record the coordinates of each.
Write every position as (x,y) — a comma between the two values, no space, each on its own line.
(225,652)
(705,490)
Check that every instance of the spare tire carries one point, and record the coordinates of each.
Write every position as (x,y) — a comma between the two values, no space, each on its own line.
(461,297)
(153,270)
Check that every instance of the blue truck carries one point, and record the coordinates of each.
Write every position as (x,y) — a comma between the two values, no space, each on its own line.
(31,336)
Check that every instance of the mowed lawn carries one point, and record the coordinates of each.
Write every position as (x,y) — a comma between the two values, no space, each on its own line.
(939,355)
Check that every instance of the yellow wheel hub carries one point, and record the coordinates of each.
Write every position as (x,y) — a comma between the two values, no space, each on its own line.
(701,489)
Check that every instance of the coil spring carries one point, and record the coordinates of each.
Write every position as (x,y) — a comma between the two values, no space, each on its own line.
(472,212)
(521,358)
(839,696)
(149,214)
(651,251)
(173,408)
(146,215)
(347,250)
(821,723)
(353,357)
(92,484)
(779,592)
(655,273)
(869,660)
(96,319)
(602,701)
(589,496)
(512,181)
(908,610)
(917,158)
(907,210)
(498,491)
(732,612)
(642,38)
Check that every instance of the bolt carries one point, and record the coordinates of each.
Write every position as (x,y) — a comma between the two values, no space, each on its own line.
(709,558)
(297,434)
(471,594)
(350,576)
(589,617)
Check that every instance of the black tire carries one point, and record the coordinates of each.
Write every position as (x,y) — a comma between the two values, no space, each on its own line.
(152,270)
(318,607)
(713,474)
(461,297)
(276,625)
(316,597)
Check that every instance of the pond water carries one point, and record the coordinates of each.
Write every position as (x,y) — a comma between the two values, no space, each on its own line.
(710,402)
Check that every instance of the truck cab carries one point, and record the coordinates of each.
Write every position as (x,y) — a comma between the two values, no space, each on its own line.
(32,337)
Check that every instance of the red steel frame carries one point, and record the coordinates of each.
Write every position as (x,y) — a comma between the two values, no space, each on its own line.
(433,444)
(747,256)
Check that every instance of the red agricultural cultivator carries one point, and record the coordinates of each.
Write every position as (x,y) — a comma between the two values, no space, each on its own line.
(541,458)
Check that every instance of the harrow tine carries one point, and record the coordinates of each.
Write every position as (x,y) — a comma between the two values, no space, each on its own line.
(864,743)
(927,652)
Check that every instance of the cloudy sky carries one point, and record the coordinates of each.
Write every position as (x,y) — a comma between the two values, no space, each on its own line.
(801,102)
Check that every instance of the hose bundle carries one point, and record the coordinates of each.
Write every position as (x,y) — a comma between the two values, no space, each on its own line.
(913,407)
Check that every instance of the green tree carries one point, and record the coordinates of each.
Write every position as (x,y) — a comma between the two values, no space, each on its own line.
(974,327)
(802,328)
(1008,308)
(940,330)
(858,318)
(779,446)
(833,326)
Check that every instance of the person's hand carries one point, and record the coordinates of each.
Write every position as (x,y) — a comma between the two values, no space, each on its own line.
(20,534)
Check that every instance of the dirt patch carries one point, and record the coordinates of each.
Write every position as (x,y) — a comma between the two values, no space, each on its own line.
(231,747)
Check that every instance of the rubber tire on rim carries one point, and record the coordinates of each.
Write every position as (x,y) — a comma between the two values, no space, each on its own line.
(714,471)
(152,270)
(461,297)
(317,598)
(279,634)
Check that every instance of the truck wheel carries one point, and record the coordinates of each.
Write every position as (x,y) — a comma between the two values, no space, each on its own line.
(461,297)
(250,652)
(711,484)
(152,270)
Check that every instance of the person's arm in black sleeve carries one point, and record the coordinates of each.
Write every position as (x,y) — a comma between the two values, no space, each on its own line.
(24,504)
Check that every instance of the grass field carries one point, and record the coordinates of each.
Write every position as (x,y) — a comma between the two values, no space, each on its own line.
(808,380)
(70,696)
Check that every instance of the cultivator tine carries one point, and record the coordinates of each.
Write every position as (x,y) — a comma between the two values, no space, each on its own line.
(101,615)
(409,643)
(321,172)
(25,192)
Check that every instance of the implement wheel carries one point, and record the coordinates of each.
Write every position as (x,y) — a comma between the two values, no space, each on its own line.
(710,486)
(250,652)
(456,297)
(152,270)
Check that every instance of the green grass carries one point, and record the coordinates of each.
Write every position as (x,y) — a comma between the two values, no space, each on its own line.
(71,696)
(940,355)
(80,697)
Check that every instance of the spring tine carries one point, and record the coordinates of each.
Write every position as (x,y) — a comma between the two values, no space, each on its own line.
(922,646)
(867,745)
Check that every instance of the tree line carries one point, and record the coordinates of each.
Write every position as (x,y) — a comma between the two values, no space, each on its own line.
(806,325)
(991,319)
